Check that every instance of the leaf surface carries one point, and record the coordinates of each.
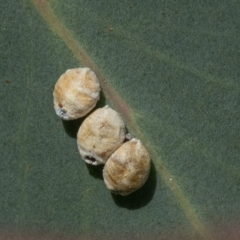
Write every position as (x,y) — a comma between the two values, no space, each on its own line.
(171,69)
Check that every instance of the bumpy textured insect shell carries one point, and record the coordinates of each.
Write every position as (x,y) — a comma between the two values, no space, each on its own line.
(76,93)
(128,168)
(100,134)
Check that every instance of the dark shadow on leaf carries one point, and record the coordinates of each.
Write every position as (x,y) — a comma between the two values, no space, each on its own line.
(141,197)
(95,171)
(102,101)
(71,127)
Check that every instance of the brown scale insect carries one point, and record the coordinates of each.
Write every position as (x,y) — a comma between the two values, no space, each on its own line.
(127,169)
(76,93)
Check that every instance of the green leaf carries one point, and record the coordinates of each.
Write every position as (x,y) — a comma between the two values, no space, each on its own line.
(171,69)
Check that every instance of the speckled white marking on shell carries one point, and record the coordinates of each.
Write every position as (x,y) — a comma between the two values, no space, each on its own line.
(76,93)
(100,134)
(127,169)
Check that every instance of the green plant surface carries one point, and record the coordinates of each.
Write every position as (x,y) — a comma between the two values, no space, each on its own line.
(171,69)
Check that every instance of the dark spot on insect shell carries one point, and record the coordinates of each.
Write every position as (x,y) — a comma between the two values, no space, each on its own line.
(116,192)
(103,154)
(89,158)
